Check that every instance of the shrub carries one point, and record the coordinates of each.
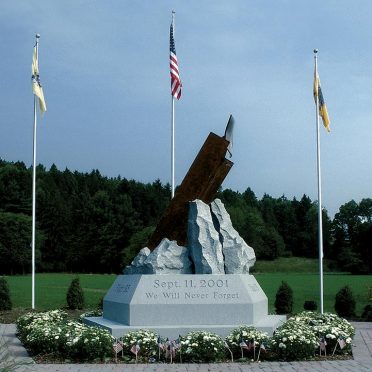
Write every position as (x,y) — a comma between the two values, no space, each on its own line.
(367,313)
(294,340)
(329,326)
(26,322)
(284,299)
(100,303)
(146,339)
(310,305)
(5,301)
(75,295)
(247,334)
(345,302)
(200,346)
(51,333)
(87,342)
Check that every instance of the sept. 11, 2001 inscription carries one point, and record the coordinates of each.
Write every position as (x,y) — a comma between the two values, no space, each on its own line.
(190,289)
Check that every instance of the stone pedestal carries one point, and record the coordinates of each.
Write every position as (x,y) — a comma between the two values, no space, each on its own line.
(178,303)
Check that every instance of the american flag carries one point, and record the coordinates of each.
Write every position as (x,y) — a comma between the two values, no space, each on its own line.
(341,342)
(135,349)
(160,344)
(322,344)
(117,347)
(251,344)
(243,345)
(173,63)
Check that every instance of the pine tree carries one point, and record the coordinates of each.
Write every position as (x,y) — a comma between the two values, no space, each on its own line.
(284,299)
(5,301)
(75,295)
(345,302)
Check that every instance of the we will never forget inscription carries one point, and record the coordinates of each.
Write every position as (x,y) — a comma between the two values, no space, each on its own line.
(185,299)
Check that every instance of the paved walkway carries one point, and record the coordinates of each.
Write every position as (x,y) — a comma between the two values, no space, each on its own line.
(13,357)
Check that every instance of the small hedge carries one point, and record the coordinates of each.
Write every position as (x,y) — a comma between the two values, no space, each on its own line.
(53,334)
(284,299)
(75,295)
(5,301)
(345,302)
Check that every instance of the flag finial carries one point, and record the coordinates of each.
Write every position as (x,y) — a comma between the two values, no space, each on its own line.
(315,51)
(37,36)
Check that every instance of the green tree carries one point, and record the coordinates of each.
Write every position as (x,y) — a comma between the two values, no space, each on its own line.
(284,299)
(5,301)
(75,295)
(345,302)
(15,239)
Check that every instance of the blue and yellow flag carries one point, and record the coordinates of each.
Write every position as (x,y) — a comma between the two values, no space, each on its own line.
(37,88)
(322,106)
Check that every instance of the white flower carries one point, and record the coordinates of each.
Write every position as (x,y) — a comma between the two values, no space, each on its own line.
(282,346)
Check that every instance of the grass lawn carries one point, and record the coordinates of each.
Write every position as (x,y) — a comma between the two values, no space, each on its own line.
(306,287)
(51,289)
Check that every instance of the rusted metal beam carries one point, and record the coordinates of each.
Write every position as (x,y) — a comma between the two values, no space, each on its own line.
(202,181)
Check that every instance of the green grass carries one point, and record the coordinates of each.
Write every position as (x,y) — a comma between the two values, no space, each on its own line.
(306,287)
(51,289)
(290,265)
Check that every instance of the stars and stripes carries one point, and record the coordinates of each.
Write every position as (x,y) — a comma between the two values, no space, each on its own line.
(173,64)
(117,347)
(135,349)
(341,342)
(322,343)
(243,345)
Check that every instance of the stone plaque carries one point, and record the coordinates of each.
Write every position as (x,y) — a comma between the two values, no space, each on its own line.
(174,303)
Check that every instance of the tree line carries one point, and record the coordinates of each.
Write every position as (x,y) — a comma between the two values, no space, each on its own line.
(87,222)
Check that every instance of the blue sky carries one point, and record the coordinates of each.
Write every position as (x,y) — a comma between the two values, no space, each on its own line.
(104,67)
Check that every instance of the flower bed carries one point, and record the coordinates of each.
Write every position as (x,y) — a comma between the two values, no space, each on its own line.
(301,337)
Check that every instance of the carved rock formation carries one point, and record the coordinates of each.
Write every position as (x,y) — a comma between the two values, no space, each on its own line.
(168,258)
(238,255)
(137,265)
(203,240)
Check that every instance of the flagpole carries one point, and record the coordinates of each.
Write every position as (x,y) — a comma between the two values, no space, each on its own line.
(320,220)
(172,130)
(34,188)
(172,145)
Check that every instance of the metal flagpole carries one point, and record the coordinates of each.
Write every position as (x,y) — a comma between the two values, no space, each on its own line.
(320,219)
(172,144)
(34,187)
(172,131)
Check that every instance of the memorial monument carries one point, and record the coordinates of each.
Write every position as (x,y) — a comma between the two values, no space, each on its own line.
(194,272)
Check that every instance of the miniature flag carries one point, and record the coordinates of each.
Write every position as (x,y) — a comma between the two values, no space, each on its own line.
(160,344)
(323,112)
(117,347)
(172,349)
(322,343)
(263,347)
(37,89)
(177,343)
(341,342)
(173,63)
(251,344)
(135,349)
(243,345)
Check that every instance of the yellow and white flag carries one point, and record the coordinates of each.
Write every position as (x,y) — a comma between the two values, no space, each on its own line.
(36,84)
(322,106)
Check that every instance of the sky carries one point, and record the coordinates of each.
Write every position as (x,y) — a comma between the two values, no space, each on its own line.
(104,66)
